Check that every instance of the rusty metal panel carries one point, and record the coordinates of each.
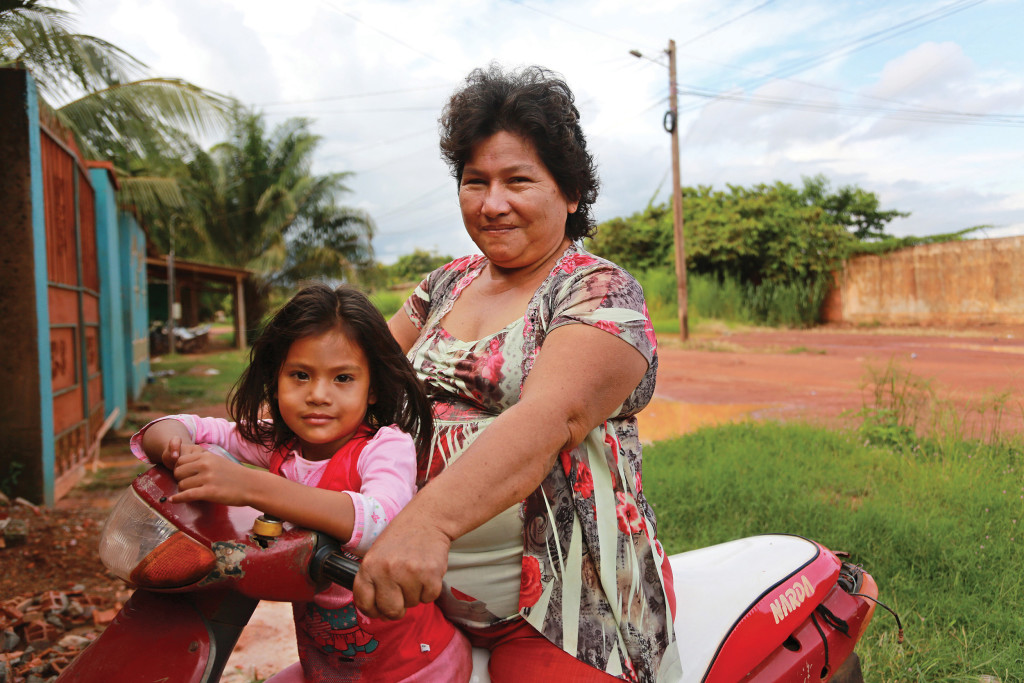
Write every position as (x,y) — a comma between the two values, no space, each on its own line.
(72,290)
(87,230)
(59,200)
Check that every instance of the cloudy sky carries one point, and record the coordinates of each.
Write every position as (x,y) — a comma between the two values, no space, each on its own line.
(919,101)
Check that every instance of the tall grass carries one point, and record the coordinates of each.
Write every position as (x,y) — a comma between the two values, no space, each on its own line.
(711,297)
(937,521)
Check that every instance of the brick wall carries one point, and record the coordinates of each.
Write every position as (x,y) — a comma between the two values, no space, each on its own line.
(955,283)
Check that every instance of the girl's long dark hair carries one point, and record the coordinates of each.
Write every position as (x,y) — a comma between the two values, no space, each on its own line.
(317,309)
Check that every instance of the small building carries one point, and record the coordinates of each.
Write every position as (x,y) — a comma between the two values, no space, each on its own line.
(74,304)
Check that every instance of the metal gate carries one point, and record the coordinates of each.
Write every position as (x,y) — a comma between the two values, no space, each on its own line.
(73,292)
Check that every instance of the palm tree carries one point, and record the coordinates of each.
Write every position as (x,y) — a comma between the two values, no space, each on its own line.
(105,98)
(255,203)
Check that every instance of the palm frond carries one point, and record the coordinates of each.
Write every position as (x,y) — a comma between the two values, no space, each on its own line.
(169,101)
(150,195)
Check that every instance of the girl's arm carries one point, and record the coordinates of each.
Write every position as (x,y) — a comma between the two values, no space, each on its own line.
(153,441)
(387,469)
(581,376)
(205,476)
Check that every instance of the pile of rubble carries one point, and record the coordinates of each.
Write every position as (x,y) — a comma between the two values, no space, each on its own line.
(41,629)
(40,635)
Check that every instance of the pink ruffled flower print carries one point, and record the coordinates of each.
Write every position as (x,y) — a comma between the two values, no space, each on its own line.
(584,484)
(574,261)
(489,366)
(612,443)
(630,519)
(530,587)
(459,263)
(608,326)
(566,460)
(649,328)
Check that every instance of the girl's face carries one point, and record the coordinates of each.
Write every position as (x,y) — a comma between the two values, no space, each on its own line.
(323,390)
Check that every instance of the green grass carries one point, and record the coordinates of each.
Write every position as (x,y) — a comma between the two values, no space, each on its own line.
(189,386)
(936,523)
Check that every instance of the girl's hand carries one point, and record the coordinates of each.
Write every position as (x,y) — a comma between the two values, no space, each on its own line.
(203,475)
(171,452)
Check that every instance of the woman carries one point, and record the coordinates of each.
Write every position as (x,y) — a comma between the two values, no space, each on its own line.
(531,528)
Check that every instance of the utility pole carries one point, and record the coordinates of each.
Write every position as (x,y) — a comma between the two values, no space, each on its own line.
(671,119)
(670,123)
(170,291)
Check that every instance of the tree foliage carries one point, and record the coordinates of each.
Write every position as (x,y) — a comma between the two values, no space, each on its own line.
(114,109)
(764,233)
(850,206)
(254,202)
(415,266)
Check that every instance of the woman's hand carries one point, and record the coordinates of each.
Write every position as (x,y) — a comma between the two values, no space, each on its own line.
(403,568)
(203,475)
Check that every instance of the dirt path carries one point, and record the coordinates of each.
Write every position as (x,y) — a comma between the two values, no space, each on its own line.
(822,374)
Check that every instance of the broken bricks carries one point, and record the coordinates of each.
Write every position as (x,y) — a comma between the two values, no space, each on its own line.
(13,531)
(40,626)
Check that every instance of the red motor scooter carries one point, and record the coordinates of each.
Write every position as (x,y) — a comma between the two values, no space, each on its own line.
(764,608)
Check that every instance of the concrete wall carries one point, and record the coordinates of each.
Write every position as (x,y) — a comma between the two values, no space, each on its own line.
(955,283)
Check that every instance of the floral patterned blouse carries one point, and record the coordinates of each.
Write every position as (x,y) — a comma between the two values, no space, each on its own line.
(591,577)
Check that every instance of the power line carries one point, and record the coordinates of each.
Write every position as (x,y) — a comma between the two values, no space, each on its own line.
(906,114)
(522,4)
(378,93)
(415,200)
(725,23)
(365,110)
(330,5)
(876,37)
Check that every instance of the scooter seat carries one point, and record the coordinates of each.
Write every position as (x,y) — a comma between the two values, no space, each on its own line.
(716,588)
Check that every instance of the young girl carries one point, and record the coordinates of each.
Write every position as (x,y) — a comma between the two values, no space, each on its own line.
(342,400)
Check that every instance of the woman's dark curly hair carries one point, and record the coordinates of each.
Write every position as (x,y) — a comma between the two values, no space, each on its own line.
(316,309)
(536,104)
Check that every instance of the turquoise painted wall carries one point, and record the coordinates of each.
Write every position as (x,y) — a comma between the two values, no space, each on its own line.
(135,303)
(42,299)
(112,341)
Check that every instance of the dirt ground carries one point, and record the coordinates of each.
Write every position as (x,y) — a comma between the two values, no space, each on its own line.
(819,375)
(826,375)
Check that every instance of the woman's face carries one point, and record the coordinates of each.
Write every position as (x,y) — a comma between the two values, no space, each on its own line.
(511,205)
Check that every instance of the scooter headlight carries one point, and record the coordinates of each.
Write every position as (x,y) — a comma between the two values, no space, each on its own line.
(141,547)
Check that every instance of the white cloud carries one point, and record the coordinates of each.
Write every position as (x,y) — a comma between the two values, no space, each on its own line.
(322,59)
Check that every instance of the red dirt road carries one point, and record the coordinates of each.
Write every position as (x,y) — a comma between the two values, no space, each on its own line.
(823,373)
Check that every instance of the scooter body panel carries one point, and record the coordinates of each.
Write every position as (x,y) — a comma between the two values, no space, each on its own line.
(745,609)
(814,652)
(737,602)
(153,638)
(274,569)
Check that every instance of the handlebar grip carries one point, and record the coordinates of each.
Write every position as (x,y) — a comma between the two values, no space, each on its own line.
(340,568)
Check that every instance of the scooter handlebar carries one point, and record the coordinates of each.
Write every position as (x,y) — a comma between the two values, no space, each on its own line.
(336,566)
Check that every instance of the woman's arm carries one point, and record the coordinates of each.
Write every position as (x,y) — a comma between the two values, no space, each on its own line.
(580,377)
(403,330)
